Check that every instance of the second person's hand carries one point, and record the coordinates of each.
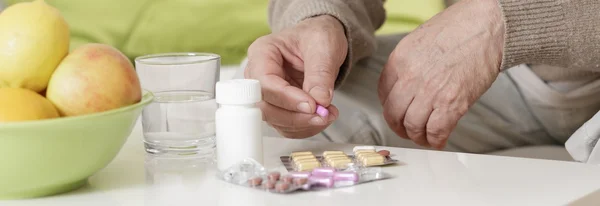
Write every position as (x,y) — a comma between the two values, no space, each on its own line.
(297,68)
(439,70)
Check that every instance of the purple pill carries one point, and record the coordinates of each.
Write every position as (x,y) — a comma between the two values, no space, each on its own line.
(345,176)
(323,171)
(321,181)
(299,174)
(322,111)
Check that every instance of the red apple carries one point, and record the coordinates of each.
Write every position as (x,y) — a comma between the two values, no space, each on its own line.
(93,78)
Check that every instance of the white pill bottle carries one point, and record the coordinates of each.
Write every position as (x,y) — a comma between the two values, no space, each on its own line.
(238,122)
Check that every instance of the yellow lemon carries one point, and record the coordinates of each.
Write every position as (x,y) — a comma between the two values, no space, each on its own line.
(18,104)
(34,38)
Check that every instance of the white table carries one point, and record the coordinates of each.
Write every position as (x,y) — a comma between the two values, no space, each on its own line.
(423,178)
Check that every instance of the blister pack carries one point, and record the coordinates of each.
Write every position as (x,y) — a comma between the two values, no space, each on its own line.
(250,173)
(364,156)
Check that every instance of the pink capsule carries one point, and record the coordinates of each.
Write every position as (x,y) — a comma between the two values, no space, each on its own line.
(322,111)
(299,174)
(323,171)
(345,176)
(321,181)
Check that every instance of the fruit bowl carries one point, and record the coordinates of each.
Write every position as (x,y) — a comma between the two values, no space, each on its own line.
(47,157)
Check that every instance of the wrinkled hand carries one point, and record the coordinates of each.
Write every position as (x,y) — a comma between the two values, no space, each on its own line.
(439,70)
(297,68)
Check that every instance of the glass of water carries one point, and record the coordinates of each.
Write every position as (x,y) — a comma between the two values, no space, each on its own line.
(181,120)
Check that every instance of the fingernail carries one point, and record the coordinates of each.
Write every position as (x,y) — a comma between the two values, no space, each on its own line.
(331,118)
(320,93)
(317,121)
(304,107)
(322,111)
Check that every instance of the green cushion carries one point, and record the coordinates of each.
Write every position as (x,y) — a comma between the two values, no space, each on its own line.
(406,15)
(225,27)
(138,27)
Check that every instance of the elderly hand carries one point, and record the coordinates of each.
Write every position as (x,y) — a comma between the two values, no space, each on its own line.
(297,68)
(439,70)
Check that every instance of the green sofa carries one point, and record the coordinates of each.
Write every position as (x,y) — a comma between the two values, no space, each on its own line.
(225,27)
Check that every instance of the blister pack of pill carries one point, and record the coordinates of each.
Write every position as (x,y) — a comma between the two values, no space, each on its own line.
(364,156)
(251,174)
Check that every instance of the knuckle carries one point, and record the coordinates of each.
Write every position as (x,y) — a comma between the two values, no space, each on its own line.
(413,126)
(439,133)
(273,99)
(260,40)
(399,59)
(324,70)
(390,119)
(447,98)
(247,70)
(261,45)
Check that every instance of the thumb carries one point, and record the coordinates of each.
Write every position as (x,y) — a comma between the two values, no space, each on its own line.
(319,78)
(321,68)
(323,53)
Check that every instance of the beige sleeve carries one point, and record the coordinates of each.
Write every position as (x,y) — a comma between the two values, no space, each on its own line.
(563,33)
(360,19)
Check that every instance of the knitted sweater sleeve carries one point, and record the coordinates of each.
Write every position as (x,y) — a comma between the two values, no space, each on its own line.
(563,33)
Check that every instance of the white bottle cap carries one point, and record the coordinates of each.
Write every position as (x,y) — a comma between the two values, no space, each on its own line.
(238,91)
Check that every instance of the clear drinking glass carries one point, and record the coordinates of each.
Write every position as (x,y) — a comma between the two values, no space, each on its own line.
(181,120)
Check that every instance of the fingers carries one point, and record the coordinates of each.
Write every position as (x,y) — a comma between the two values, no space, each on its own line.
(387,79)
(320,73)
(416,119)
(439,127)
(280,93)
(296,125)
(265,63)
(395,107)
(323,56)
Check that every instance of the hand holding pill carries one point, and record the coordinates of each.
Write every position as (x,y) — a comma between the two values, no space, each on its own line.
(293,91)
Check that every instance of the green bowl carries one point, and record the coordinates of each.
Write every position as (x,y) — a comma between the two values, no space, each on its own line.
(47,157)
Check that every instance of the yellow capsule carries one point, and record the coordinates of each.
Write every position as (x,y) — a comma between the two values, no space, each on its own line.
(373,160)
(364,151)
(304,157)
(307,166)
(339,163)
(366,155)
(294,154)
(335,156)
(361,155)
(305,160)
(327,153)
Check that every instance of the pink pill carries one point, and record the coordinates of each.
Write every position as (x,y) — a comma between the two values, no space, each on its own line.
(323,171)
(345,176)
(299,174)
(321,181)
(322,111)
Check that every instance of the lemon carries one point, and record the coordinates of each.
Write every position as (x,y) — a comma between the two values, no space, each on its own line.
(34,38)
(18,104)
